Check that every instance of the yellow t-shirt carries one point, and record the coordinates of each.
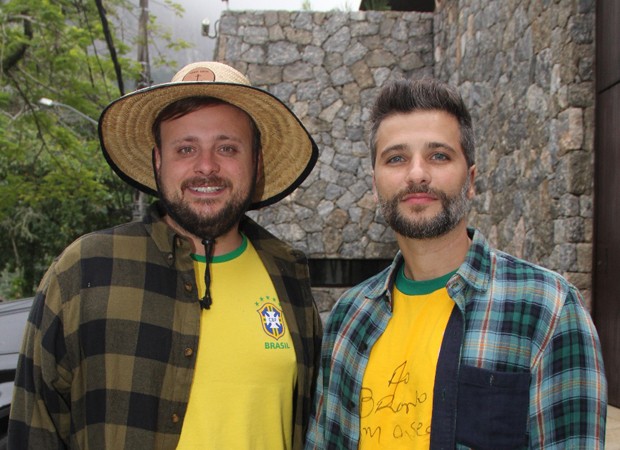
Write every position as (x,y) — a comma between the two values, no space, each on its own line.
(396,401)
(246,370)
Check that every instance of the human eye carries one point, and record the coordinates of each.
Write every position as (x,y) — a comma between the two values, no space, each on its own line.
(185,150)
(440,156)
(394,159)
(228,149)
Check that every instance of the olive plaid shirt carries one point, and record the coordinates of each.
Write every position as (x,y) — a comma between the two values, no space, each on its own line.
(520,364)
(109,350)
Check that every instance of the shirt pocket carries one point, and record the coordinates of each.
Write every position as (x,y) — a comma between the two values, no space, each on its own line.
(492,409)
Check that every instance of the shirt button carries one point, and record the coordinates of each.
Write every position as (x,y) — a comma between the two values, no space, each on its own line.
(175,418)
(188,287)
(188,352)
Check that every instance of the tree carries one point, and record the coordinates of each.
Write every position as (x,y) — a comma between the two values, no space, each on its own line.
(54,182)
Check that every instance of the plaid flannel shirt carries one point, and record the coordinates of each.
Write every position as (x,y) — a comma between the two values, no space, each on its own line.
(109,350)
(520,365)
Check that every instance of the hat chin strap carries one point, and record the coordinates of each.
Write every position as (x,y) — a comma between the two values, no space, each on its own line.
(206,301)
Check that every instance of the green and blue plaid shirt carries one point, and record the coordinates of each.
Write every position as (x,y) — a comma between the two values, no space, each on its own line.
(109,350)
(520,364)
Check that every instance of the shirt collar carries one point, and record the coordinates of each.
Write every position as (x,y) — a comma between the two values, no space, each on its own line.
(381,285)
(175,248)
(475,270)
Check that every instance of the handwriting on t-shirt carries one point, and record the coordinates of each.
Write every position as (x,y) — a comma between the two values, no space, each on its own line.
(396,400)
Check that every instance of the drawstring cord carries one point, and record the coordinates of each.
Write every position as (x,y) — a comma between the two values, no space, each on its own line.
(206,301)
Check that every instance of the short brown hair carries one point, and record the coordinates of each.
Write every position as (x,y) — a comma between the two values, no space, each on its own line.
(406,95)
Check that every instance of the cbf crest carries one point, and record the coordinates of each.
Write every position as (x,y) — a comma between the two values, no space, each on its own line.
(272,320)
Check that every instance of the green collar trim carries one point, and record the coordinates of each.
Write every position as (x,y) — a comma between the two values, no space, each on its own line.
(424,287)
(225,257)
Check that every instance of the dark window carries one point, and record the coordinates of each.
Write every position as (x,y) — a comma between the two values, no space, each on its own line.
(344,272)
(398,5)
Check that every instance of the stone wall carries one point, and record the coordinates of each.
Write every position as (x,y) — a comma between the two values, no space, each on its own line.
(327,67)
(525,69)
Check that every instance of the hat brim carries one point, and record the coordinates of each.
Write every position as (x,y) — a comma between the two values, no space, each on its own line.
(289,153)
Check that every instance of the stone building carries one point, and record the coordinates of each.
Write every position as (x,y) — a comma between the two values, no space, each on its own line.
(525,69)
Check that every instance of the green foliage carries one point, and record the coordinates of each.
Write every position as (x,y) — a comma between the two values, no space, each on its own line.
(54,182)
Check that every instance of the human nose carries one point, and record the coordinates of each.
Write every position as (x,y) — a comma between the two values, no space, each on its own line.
(418,171)
(206,162)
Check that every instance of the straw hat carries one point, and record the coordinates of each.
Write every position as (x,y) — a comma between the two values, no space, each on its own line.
(289,152)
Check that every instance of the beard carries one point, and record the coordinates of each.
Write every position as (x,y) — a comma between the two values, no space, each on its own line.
(203,225)
(453,209)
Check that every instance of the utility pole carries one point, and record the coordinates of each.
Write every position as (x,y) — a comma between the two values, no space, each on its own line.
(144,80)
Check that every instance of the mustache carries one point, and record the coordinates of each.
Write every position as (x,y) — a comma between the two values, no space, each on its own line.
(212,180)
(419,189)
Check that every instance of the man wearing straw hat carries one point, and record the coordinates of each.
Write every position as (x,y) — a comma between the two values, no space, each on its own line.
(195,327)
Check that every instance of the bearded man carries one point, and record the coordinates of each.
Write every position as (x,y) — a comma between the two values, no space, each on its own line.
(456,344)
(194,327)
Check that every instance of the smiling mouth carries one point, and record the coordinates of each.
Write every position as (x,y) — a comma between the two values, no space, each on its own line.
(206,189)
(205,185)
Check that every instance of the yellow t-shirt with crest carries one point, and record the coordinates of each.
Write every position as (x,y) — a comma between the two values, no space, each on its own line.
(246,370)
